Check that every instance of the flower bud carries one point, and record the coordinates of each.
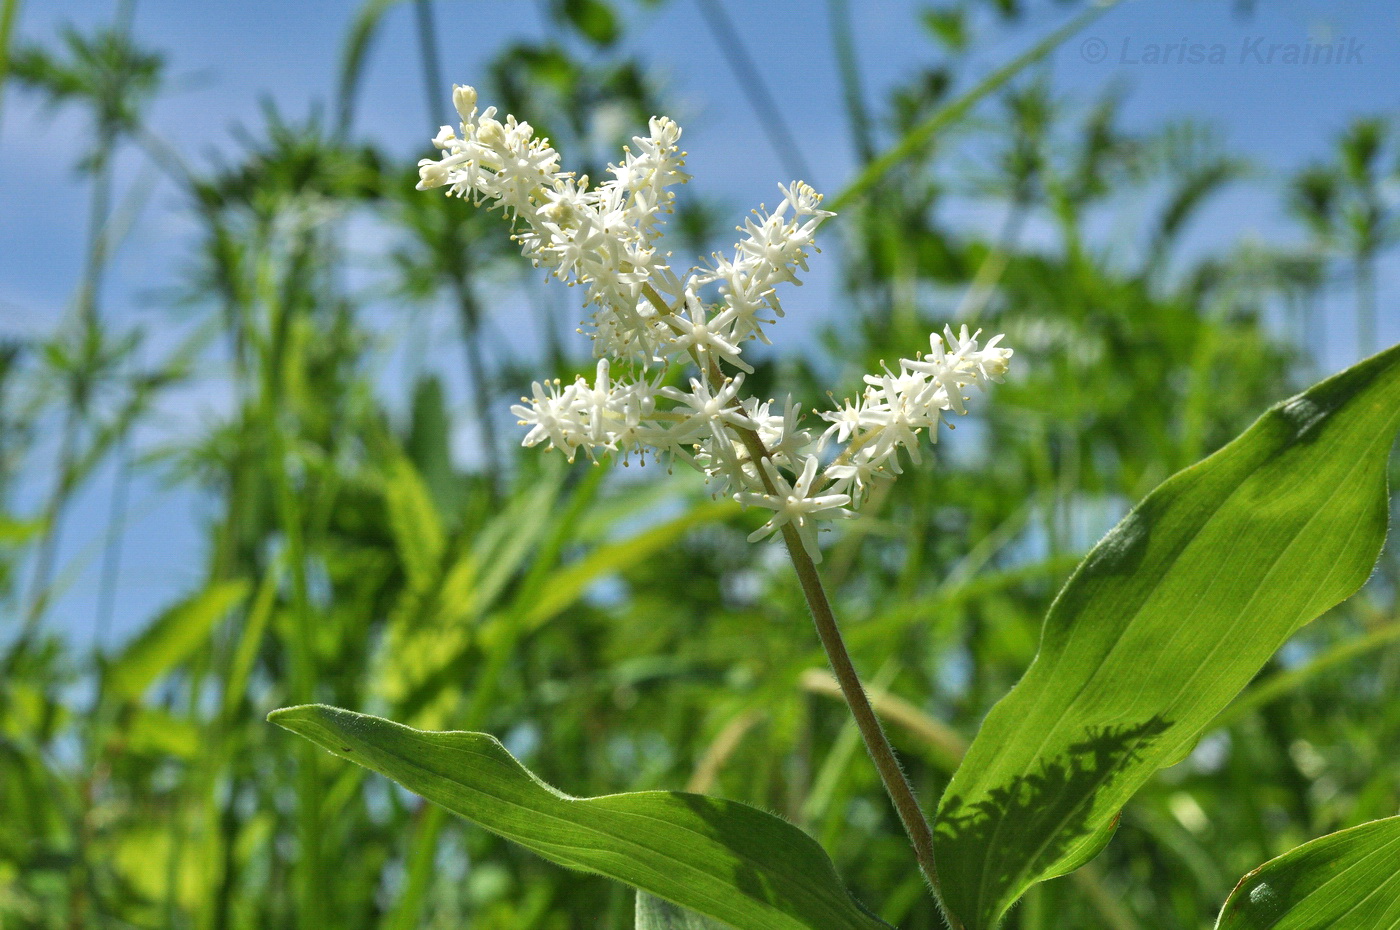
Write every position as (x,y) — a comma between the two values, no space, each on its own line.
(491,134)
(445,137)
(996,365)
(431,174)
(464,99)
(557,212)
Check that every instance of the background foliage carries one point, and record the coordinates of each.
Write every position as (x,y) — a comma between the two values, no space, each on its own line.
(615,630)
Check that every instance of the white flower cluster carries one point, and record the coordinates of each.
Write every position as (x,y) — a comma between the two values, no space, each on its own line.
(647,318)
(896,406)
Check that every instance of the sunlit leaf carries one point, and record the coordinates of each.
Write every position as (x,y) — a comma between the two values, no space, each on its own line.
(157,731)
(1167,619)
(656,914)
(719,858)
(1343,881)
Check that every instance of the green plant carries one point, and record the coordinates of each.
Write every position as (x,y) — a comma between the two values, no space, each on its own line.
(1162,625)
(336,510)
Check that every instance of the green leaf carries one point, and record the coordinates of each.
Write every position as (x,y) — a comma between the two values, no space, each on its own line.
(171,638)
(570,582)
(949,26)
(15,532)
(656,914)
(1343,881)
(595,19)
(156,731)
(1086,848)
(429,442)
(719,858)
(1166,620)
(418,533)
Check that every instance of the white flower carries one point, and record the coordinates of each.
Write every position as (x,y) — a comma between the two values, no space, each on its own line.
(646,318)
(551,415)
(707,336)
(706,409)
(897,406)
(963,363)
(853,418)
(795,504)
(854,477)
(782,435)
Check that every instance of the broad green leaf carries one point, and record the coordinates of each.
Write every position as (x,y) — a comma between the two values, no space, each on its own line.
(1285,682)
(656,914)
(171,638)
(719,858)
(1343,881)
(1085,849)
(1166,620)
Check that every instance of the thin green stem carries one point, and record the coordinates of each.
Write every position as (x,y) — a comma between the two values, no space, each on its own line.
(897,786)
(468,309)
(51,521)
(277,373)
(843,40)
(309,899)
(1365,305)
(469,318)
(915,139)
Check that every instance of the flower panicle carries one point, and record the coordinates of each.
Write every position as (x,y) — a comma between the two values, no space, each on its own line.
(647,319)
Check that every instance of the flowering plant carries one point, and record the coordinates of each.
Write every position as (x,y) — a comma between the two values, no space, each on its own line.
(1165,621)
(647,319)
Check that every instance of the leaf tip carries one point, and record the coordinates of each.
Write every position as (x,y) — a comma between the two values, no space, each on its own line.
(285,717)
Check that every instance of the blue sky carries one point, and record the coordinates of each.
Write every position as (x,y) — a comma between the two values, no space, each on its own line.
(224,58)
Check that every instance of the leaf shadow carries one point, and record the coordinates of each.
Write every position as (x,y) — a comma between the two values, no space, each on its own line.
(1019,832)
(738,826)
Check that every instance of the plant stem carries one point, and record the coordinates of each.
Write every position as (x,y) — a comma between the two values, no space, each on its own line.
(878,746)
(876,743)
(753,87)
(468,311)
(469,319)
(843,42)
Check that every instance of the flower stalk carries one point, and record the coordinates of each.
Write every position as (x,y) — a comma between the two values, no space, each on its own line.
(877,744)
